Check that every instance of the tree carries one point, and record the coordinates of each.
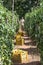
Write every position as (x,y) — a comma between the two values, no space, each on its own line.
(21,6)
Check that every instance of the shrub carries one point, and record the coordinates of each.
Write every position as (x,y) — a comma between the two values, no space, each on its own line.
(34,27)
(7,33)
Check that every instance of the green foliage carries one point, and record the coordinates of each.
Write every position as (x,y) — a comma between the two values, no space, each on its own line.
(34,26)
(21,6)
(7,33)
(8,26)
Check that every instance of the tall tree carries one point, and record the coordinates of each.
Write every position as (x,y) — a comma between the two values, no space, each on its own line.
(21,6)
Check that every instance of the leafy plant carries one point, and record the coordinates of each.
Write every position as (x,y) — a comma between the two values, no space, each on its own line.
(34,27)
(7,33)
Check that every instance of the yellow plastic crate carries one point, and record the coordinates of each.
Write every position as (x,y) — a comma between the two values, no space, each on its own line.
(19,56)
(19,40)
(24,57)
(18,37)
(23,41)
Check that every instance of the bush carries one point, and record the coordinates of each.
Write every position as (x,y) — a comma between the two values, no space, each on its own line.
(7,33)
(34,26)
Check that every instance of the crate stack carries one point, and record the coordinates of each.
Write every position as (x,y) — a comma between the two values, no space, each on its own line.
(18,55)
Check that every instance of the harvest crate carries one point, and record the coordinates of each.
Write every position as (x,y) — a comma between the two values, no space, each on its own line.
(19,56)
(19,40)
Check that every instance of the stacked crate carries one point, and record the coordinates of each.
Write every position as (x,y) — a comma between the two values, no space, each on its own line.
(19,39)
(19,56)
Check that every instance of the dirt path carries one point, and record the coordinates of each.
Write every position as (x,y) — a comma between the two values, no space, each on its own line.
(33,54)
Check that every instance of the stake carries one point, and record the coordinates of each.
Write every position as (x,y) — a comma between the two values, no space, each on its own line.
(13,13)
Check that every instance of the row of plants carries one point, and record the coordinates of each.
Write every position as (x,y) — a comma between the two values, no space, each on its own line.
(34,27)
(7,33)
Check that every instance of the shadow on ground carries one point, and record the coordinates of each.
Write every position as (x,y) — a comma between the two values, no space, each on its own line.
(31,50)
(31,63)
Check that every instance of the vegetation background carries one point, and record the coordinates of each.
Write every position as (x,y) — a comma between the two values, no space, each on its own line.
(32,11)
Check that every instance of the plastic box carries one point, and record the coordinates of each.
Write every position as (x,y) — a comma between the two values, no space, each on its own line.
(19,56)
(19,40)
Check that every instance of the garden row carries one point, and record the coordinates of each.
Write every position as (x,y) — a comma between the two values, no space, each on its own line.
(7,33)
(34,27)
